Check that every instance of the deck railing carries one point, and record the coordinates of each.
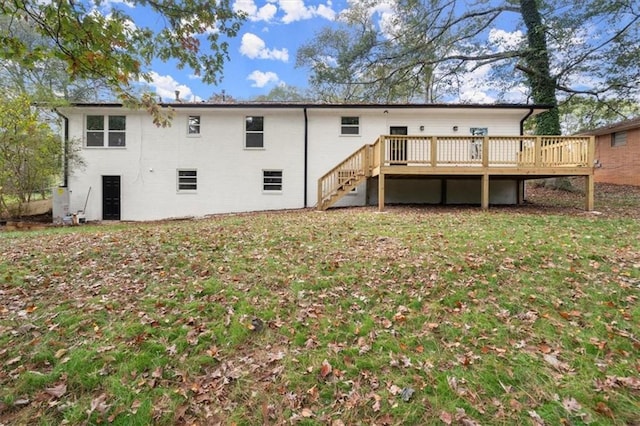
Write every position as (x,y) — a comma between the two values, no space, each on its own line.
(486,151)
(525,154)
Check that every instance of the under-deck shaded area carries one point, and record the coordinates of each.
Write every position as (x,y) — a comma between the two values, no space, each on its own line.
(487,158)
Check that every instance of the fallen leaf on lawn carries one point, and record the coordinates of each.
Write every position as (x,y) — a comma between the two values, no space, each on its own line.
(306,412)
(171,350)
(630,382)
(604,409)
(57,391)
(515,404)
(376,404)
(536,418)
(135,405)
(545,349)
(60,353)
(325,369)
(394,390)
(13,360)
(98,404)
(556,363)
(447,418)
(571,405)
(157,373)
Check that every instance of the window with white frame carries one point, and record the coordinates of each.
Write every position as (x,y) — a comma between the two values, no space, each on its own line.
(254,132)
(272,180)
(194,125)
(106,130)
(350,126)
(187,180)
(619,139)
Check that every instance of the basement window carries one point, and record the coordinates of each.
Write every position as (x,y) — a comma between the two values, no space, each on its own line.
(187,180)
(272,180)
(619,139)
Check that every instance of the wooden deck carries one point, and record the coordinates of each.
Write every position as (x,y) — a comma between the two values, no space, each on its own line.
(486,157)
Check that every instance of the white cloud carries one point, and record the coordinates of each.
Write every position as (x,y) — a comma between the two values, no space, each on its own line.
(166,86)
(504,41)
(254,47)
(261,79)
(296,10)
(265,13)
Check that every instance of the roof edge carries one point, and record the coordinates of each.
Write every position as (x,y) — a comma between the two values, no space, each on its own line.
(293,105)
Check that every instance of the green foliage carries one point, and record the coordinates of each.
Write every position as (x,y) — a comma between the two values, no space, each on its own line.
(30,153)
(105,44)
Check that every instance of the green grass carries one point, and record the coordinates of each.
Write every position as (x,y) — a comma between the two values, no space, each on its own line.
(492,317)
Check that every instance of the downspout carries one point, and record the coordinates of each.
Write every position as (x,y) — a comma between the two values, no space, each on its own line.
(306,154)
(65,150)
(520,195)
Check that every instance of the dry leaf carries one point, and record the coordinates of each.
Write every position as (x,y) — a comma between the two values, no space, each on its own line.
(57,391)
(306,412)
(604,409)
(571,405)
(556,363)
(325,369)
(447,418)
(537,420)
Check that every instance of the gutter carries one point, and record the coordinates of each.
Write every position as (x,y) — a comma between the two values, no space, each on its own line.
(529,114)
(306,154)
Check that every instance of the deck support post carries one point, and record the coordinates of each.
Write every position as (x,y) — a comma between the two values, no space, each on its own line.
(381,192)
(589,193)
(484,200)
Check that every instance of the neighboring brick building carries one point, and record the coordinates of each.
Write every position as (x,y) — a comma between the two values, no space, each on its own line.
(617,153)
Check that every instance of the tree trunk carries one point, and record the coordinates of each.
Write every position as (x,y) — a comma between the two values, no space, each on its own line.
(537,69)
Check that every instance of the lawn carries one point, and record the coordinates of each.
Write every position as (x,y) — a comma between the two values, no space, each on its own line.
(419,315)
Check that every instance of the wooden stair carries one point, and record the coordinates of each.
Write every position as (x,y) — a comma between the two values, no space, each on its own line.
(344,177)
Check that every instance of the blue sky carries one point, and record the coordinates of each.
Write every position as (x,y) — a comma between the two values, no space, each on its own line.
(263,54)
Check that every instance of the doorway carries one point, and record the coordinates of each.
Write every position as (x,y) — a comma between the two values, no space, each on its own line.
(110,197)
(398,146)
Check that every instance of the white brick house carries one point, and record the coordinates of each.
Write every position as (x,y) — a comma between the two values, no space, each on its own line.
(222,158)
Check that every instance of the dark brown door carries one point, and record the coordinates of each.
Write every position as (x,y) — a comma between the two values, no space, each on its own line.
(398,147)
(110,197)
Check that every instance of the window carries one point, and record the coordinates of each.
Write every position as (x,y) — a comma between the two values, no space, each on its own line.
(350,126)
(272,180)
(114,126)
(194,125)
(619,139)
(475,148)
(187,180)
(254,127)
